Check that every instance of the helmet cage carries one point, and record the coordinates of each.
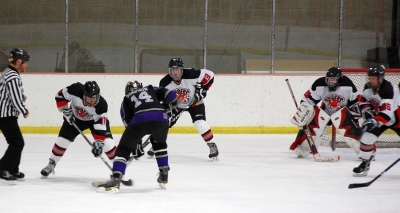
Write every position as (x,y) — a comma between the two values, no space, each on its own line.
(132,86)
(379,72)
(91,90)
(176,77)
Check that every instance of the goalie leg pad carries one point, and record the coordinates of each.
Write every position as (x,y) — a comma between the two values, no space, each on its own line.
(304,115)
(319,123)
(345,124)
(354,144)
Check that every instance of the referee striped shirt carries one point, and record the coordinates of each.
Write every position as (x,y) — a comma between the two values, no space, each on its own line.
(11,93)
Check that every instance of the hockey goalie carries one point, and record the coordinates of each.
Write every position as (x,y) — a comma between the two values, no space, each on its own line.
(339,107)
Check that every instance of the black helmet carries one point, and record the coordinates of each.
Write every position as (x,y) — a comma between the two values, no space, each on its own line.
(175,63)
(132,86)
(378,71)
(91,90)
(18,53)
(333,78)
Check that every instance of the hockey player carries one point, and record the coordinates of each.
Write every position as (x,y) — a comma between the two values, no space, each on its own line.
(88,109)
(339,107)
(143,111)
(191,85)
(380,109)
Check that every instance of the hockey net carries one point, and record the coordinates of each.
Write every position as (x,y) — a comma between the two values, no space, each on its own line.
(389,139)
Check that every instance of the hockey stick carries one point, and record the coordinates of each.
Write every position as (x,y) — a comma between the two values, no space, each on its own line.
(359,185)
(98,183)
(125,182)
(310,140)
(333,139)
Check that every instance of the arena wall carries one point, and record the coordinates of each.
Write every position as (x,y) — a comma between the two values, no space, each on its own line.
(251,103)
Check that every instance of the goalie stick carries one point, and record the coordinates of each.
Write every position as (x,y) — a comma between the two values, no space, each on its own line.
(310,140)
(359,185)
(98,183)
(125,182)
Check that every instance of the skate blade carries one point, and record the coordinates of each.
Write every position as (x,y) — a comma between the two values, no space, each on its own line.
(110,190)
(360,174)
(44,177)
(9,182)
(150,157)
(214,159)
(162,185)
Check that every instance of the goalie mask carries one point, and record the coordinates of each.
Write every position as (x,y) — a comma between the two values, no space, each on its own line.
(132,86)
(175,69)
(91,93)
(379,72)
(333,78)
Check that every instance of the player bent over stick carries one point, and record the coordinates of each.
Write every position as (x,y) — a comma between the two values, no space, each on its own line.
(88,110)
(339,107)
(143,112)
(192,86)
(380,109)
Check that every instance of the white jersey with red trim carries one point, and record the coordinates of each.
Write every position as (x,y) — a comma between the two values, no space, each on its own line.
(384,102)
(74,94)
(345,95)
(186,87)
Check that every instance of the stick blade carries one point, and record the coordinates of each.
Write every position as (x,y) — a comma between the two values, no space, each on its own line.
(358,185)
(320,158)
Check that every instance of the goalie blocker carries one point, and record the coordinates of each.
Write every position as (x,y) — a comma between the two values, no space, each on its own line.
(318,121)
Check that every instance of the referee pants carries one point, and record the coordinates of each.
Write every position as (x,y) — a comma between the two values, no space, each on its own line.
(12,156)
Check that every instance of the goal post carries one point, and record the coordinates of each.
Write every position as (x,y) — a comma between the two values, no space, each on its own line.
(389,139)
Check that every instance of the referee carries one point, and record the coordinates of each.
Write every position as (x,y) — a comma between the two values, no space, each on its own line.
(12,100)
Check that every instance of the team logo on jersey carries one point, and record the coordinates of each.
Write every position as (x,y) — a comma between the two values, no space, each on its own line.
(206,78)
(334,101)
(183,93)
(82,113)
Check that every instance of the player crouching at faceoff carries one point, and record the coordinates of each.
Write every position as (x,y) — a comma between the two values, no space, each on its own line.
(88,110)
(339,107)
(380,108)
(192,85)
(143,112)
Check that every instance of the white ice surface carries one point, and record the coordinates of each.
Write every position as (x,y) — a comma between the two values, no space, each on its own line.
(255,173)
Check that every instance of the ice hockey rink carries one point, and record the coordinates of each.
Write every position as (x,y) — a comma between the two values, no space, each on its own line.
(255,173)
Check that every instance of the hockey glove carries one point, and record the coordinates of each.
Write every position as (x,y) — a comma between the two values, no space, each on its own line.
(69,115)
(138,152)
(200,93)
(97,148)
(174,116)
(370,124)
(369,114)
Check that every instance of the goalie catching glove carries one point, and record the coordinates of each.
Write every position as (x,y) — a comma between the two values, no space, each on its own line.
(304,115)
(97,148)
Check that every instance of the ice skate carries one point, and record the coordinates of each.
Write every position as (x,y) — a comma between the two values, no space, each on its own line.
(150,153)
(7,178)
(20,176)
(213,151)
(362,169)
(111,186)
(163,177)
(48,169)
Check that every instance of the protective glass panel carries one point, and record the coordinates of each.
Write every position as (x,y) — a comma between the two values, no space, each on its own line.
(306,35)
